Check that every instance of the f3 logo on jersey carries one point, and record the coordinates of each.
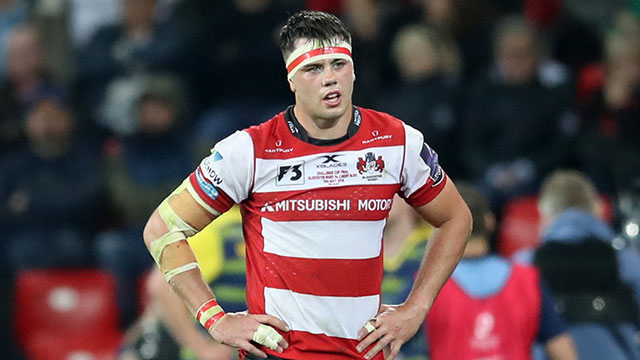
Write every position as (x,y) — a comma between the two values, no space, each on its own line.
(292,174)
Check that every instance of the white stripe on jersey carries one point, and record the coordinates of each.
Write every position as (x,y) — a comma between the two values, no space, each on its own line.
(330,315)
(318,171)
(323,239)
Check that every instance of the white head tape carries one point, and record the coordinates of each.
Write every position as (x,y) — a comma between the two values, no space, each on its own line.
(313,51)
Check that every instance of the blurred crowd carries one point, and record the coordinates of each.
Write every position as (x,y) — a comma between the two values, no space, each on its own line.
(106,105)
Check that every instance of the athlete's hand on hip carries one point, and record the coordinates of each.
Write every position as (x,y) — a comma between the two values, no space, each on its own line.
(241,329)
(388,331)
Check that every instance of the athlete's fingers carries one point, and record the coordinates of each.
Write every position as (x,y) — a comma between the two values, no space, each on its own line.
(252,349)
(369,339)
(367,329)
(267,336)
(392,351)
(382,342)
(273,321)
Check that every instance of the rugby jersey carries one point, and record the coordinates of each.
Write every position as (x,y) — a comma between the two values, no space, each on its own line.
(313,218)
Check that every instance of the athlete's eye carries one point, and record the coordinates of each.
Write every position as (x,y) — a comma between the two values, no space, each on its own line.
(339,64)
(313,68)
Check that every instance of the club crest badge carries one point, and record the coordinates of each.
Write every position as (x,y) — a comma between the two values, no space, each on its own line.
(371,168)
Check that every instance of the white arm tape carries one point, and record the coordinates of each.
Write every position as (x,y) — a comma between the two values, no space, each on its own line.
(179,270)
(173,221)
(267,336)
(157,246)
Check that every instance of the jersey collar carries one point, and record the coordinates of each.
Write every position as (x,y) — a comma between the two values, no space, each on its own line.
(298,131)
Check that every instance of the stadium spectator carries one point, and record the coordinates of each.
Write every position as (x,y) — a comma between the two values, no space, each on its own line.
(512,128)
(591,281)
(26,79)
(140,170)
(426,95)
(111,64)
(609,112)
(12,14)
(492,308)
(313,260)
(50,192)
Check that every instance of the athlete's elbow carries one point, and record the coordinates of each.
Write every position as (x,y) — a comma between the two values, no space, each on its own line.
(153,229)
(466,220)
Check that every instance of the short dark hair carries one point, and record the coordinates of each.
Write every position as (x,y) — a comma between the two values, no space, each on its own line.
(316,25)
(479,207)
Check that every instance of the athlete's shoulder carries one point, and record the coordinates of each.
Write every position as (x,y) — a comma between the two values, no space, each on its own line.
(267,127)
(375,117)
(381,126)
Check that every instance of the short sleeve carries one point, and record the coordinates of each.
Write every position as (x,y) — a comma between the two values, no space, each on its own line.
(225,176)
(422,177)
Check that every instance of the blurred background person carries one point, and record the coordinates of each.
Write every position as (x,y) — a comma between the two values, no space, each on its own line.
(50,191)
(12,14)
(592,283)
(426,96)
(112,64)
(511,132)
(609,109)
(140,169)
(26,77)
(490,307)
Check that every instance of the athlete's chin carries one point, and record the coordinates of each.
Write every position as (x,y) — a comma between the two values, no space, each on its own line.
(334,112)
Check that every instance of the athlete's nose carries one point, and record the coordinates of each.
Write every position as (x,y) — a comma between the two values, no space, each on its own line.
(329,77)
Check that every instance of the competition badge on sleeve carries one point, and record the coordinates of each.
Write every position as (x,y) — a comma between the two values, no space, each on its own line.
(430,158)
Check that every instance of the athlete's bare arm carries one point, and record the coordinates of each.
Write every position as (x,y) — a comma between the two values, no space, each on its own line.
(234,329)
(396,324)
(179,321)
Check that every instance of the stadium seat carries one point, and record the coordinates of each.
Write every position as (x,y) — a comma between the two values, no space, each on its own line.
(62,310)
(520,225)
(47,347)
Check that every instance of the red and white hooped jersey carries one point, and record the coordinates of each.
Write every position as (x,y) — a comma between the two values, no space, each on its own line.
(313,218)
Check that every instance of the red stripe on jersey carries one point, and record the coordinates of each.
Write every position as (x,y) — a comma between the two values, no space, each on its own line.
(303,345)
(426,193)
(357,202)
(222,203)
(324,277)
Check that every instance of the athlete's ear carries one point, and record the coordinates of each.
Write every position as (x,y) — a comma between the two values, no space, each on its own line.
(292,85)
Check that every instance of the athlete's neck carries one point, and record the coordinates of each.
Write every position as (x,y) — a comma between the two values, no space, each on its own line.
(321,128)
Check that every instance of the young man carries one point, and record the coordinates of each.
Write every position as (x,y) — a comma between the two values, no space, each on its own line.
(315,185)
(491,308)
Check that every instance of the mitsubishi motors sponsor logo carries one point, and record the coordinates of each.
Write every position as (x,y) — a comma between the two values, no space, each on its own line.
(374,204)
(299,205)
(308,205)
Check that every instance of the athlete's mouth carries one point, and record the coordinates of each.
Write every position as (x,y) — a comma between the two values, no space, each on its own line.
(332,97)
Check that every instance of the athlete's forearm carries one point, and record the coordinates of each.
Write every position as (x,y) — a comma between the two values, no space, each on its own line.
(174,314)
(443,252)
(177,218)
(189,285)
(451,217)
